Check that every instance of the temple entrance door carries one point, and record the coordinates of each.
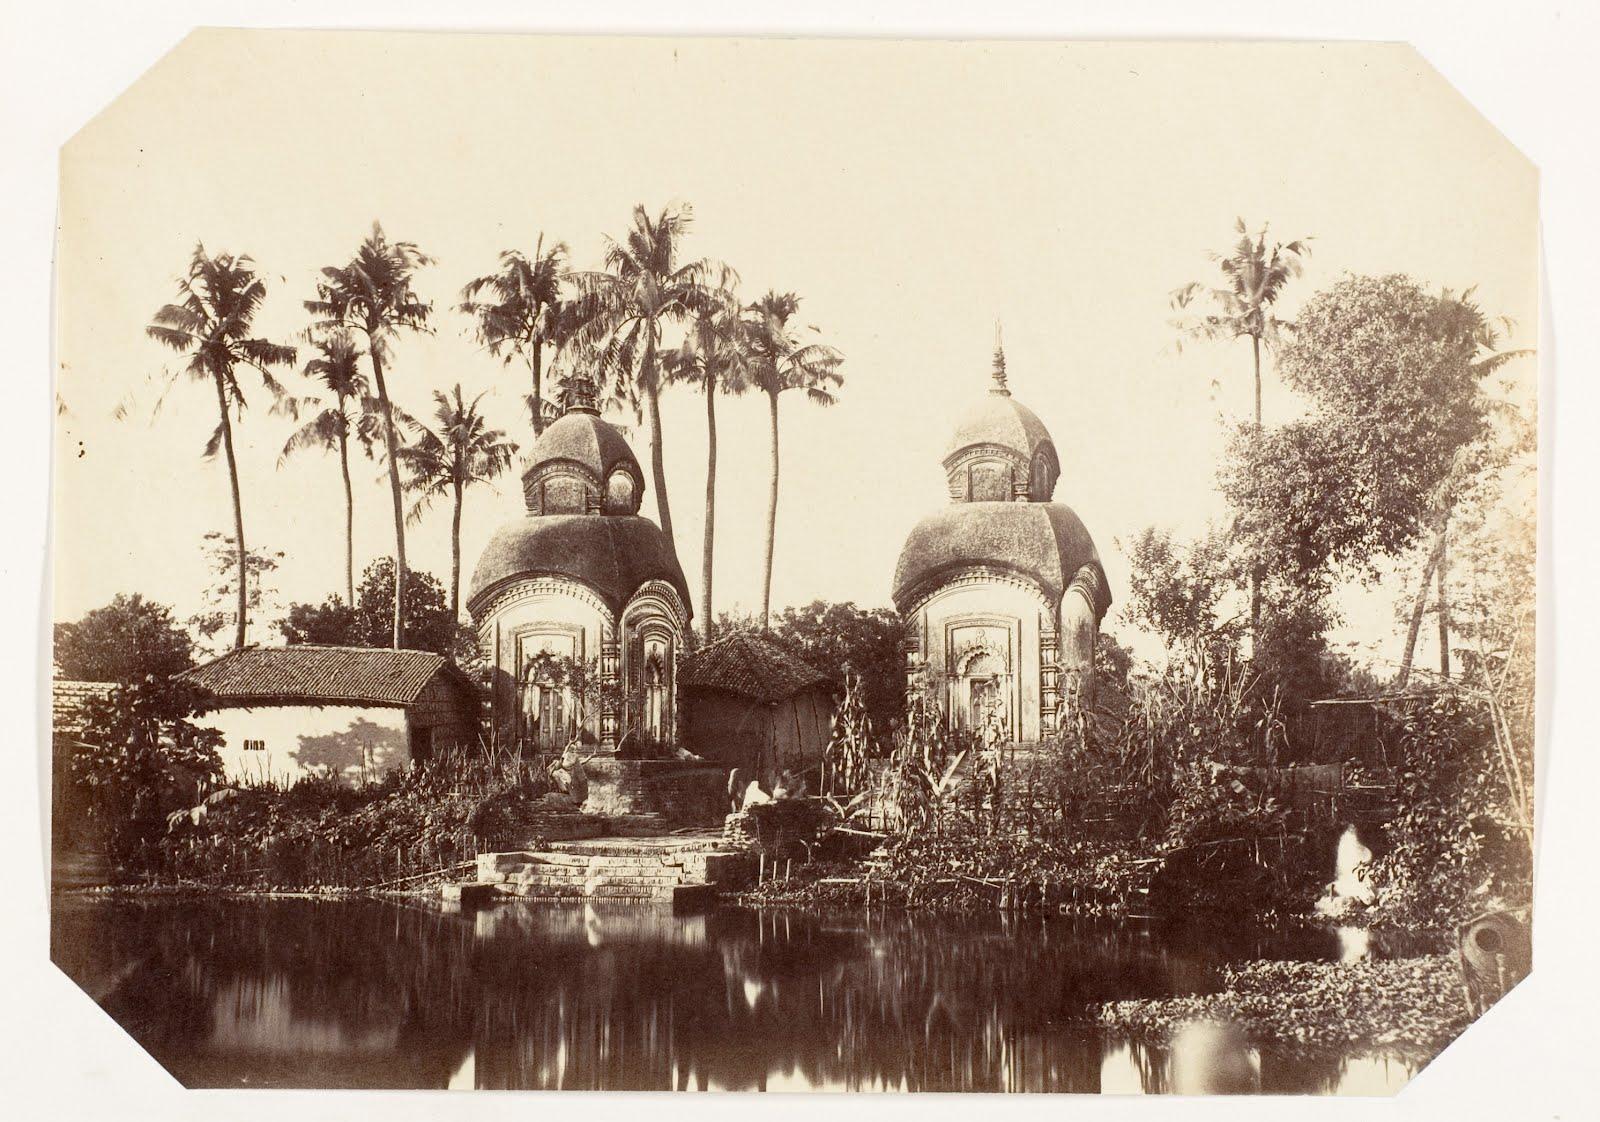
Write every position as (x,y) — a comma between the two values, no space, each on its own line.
(544,716)
(655,705)
(552,719)
(982,692)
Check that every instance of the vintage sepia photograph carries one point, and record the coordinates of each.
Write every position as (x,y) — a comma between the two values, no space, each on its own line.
(694,564)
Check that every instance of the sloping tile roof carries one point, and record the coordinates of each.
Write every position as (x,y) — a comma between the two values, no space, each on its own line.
(748,664)
(309,675)
(66,701)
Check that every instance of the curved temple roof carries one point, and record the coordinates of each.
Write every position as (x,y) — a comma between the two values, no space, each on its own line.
(613,554)
(999,418)
(584,438)
(1045,542)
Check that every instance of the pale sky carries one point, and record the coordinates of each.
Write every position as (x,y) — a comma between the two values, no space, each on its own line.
(911,193)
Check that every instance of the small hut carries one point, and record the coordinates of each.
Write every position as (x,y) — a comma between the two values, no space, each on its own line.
(352,712)
(749,703)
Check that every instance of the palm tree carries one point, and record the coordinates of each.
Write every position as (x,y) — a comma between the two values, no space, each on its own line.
(347,411)
(644,288)
(372,294)
(780,362)
(522,312)
(715,356)
(217,305)
(449,459)
(1254,276)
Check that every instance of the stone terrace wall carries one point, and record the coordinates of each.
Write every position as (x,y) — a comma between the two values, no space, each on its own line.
(683,793)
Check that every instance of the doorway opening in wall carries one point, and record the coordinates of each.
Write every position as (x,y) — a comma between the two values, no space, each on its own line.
(545,717)
(981,698)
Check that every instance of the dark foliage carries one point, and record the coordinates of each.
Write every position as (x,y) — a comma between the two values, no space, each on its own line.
(138,757)
(834,637)
(125,641)
(429,624)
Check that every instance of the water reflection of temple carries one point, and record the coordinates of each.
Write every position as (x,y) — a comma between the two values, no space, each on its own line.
(309,993)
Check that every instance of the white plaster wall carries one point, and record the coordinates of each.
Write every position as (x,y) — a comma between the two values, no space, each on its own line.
(1001,601)
(282,727)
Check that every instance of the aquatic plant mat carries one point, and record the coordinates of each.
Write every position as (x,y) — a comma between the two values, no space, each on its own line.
(1409,1008)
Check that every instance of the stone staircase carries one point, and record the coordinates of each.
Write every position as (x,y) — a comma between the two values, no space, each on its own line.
(670,870)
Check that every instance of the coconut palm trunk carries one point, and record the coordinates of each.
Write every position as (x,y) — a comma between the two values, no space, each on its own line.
(238,509)
(658,465)
(709,625)
(536,364)
(455,553)
(391,447)
(349,514)
(772,518)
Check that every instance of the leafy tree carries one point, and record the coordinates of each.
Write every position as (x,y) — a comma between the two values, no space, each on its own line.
(333,623)
(1178,593)
(1254,276)
(780,361)
(643,289)
(347,412)
(256,591)
(218,301)
(447,460)
(364,747)
(715,356)
(429,623)
(833,637)
(373,294)
(129,639)
(517,312)
(1401,426)
(138,757)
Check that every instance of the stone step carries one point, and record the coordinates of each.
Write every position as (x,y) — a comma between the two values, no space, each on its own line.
(639,869)
(468,895)
(608,860)
(642,847)
(597,892)
(588,882)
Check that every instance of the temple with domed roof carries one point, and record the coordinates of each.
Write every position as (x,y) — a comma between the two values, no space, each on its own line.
(1003,588)
(582,576)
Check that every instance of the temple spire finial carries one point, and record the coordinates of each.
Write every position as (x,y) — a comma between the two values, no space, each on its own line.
(999,373)
(580,394)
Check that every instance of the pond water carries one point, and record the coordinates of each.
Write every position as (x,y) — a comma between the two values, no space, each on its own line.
(368,993)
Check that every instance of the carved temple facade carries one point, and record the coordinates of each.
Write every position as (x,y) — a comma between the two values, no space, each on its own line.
(582,580)
(1003,588)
